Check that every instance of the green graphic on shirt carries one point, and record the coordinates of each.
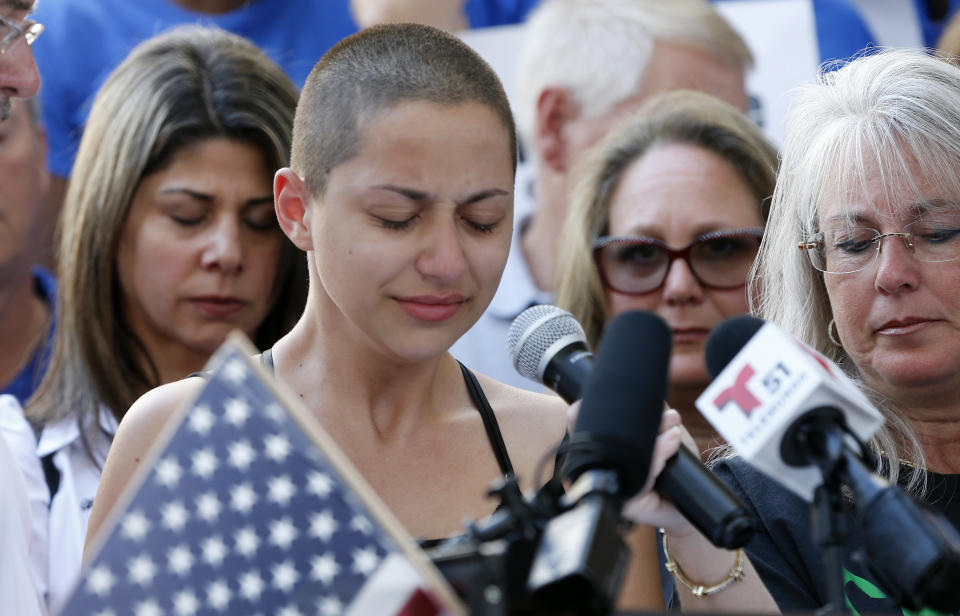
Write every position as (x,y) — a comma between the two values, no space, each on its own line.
(869,589)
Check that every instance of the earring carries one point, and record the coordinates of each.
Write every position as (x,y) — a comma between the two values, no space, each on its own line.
(830,327)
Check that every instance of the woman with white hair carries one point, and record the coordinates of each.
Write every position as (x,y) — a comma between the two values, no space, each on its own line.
(859,261)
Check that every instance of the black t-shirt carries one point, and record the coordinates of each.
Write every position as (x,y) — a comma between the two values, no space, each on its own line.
(787,557)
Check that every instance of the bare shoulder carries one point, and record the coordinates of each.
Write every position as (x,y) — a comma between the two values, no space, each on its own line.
(542,408)
(532,424)
(140,428)
(145,420)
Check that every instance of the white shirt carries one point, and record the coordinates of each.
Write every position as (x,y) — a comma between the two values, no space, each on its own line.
(60,526)
(17,589)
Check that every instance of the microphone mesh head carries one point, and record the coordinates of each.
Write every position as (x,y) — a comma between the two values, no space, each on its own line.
(534,331)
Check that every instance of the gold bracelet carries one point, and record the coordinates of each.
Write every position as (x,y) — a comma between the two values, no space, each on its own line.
(699,590)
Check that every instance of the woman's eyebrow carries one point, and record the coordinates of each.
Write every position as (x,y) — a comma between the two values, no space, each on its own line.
(186,191)
(199,196)
(850,219)
(410,193)
(934,205)
(260,200)
(483,194)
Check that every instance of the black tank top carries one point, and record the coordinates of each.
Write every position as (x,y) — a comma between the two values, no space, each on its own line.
(479,401)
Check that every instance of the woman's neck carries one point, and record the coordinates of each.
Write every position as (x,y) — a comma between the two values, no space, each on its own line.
(932,412)
(337,375)
(173,361)
(939,437)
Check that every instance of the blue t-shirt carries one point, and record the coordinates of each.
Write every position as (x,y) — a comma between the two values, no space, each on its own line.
(25,383)
(485,13)
(841,30)
(85,40)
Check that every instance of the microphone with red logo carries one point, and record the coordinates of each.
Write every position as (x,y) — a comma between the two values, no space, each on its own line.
(548,344)
(766,385)
(791,413)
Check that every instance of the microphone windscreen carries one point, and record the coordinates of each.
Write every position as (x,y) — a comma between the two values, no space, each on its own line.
(623,399)
(726,340)
(535,331)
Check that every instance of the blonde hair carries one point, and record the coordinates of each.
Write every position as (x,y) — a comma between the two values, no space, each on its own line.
(172,91)
(599,50)
(683,117)
(891,115)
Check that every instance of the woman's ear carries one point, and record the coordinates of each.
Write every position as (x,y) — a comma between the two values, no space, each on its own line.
(293,204)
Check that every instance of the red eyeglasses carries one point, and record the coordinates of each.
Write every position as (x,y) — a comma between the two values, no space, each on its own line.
(635,265)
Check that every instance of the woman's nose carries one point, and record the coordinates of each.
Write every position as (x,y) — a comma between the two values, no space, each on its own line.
(897,268)
(681,286)
(224,249)
(443,258)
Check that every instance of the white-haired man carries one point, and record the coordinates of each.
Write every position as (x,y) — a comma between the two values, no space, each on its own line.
(584,65)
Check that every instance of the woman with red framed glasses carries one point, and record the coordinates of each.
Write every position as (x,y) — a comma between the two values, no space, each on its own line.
(667,216)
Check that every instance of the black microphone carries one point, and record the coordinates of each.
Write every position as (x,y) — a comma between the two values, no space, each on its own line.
(549,345)
(582,553)
(914,551)
(623,401)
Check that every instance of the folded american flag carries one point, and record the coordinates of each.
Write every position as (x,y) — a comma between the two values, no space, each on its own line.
(250,509)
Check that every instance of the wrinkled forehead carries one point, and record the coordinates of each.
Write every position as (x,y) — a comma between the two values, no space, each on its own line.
(894,188)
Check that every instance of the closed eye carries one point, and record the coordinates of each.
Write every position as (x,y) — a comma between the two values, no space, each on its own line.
(187,221)
(853,241)
(482,227)
(854,246)
(397,225)
(259,215)
(940,236)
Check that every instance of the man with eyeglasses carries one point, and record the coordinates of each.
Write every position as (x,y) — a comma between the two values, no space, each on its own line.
(18,72)
(18,79)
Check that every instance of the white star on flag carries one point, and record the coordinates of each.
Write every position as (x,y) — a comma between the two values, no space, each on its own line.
(236,411)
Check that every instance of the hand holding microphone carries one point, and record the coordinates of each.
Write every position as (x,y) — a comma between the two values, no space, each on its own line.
(649,506)
(548,345)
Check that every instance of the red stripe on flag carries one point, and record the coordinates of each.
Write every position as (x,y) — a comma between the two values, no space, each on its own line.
(420,604)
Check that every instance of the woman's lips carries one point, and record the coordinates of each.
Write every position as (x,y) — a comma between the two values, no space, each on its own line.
(432,308)
(218,307)
(689,335)
(902,327)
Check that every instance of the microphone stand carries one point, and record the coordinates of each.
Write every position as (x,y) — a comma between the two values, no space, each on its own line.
(823,446)
(913,551)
